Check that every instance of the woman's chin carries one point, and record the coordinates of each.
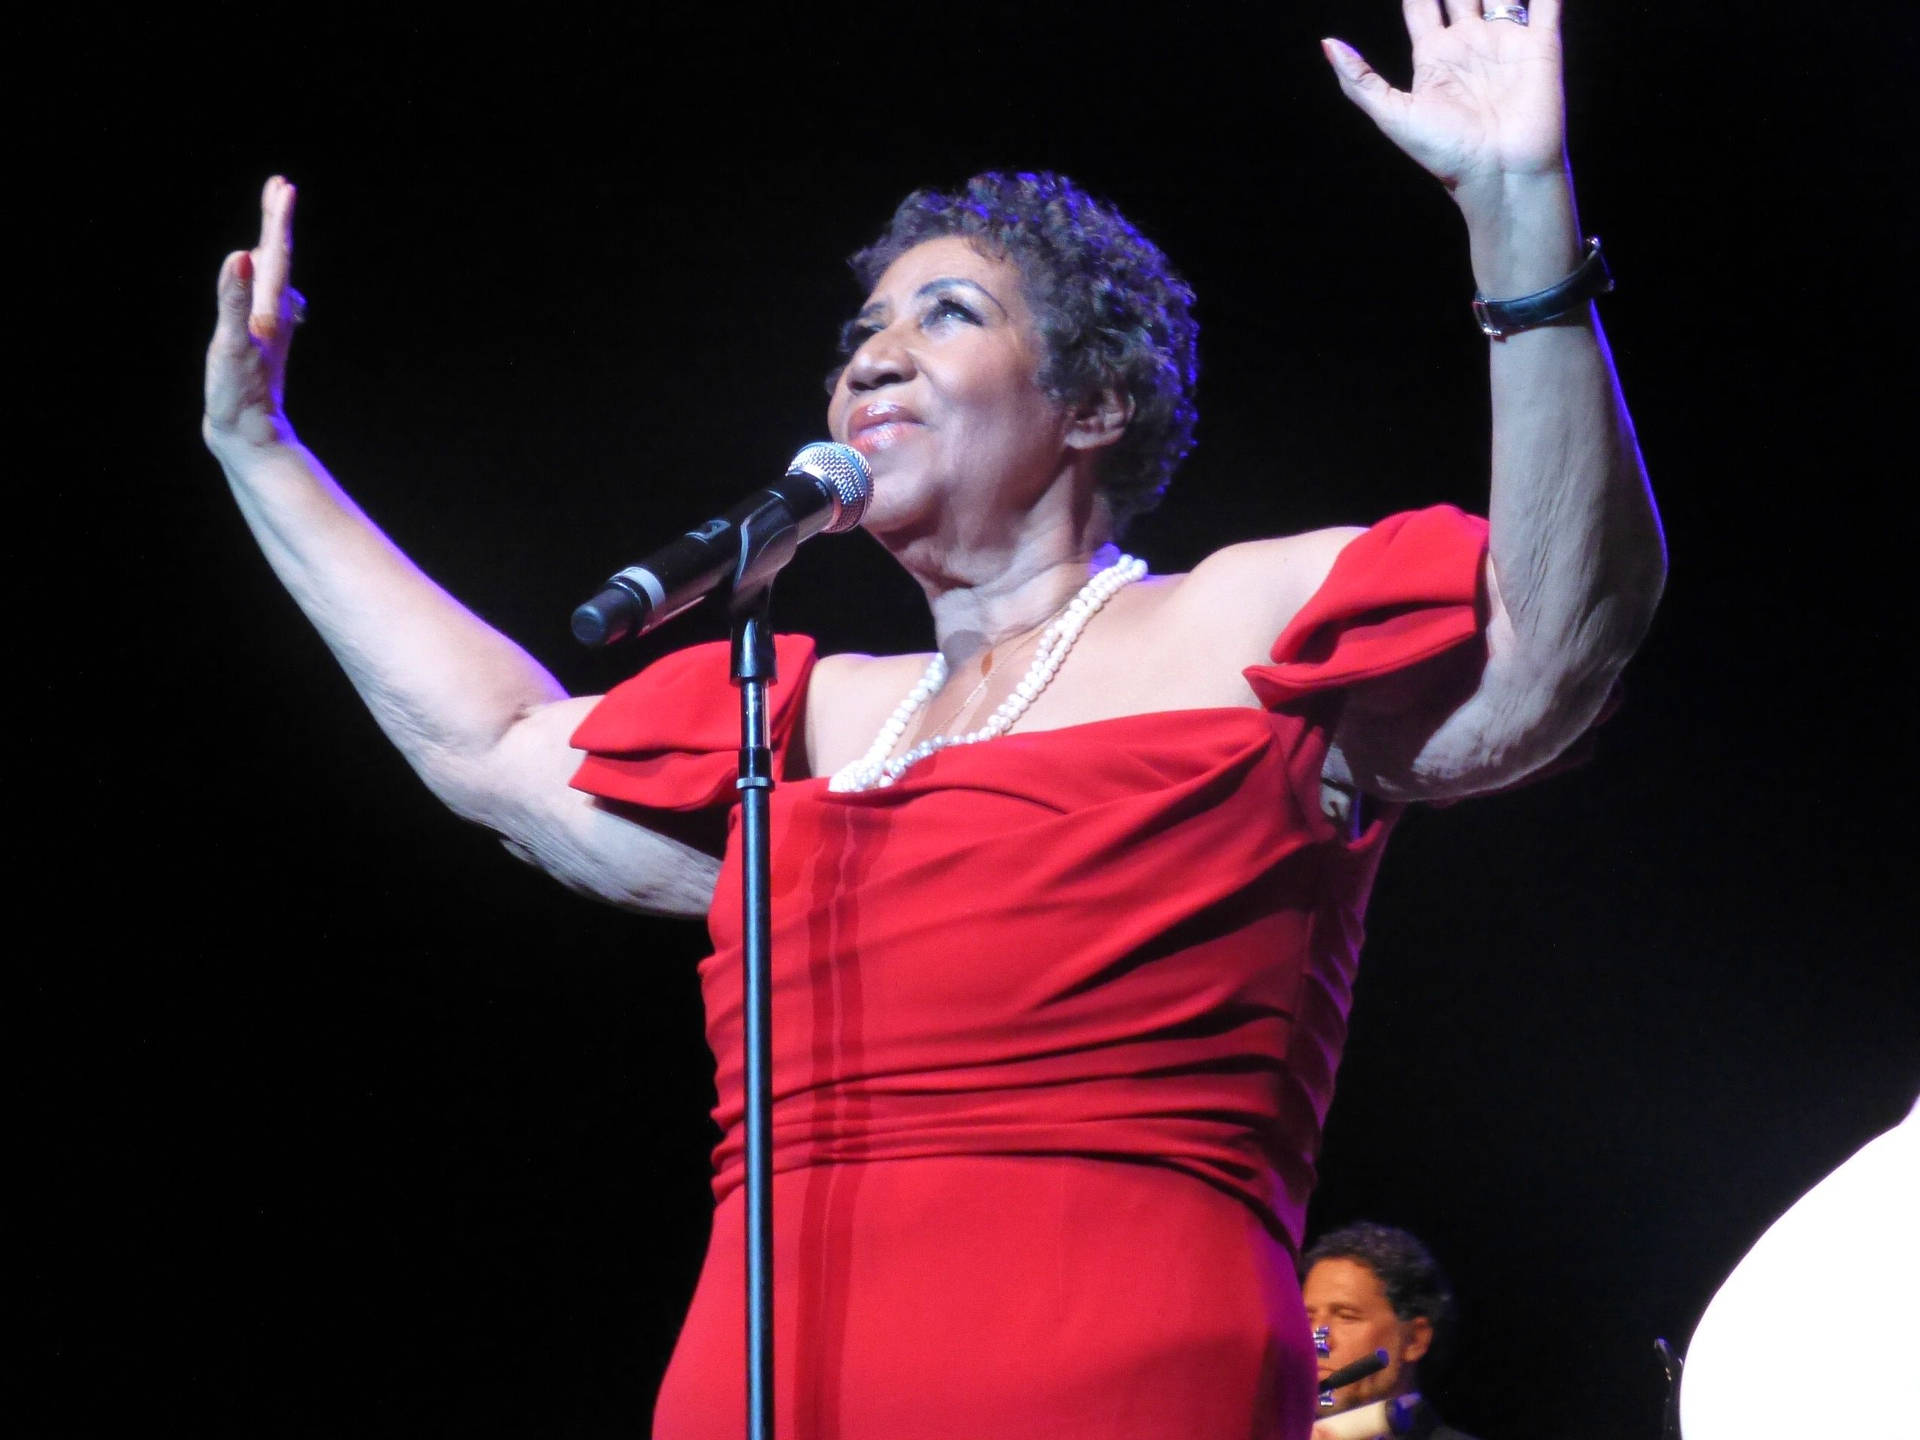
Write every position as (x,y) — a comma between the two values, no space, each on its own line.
(897,500)
(882,520)
(894,510)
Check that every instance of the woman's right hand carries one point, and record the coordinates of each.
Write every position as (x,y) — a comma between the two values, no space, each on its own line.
(247,361)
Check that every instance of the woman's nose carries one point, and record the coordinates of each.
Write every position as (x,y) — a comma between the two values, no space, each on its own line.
(880,360)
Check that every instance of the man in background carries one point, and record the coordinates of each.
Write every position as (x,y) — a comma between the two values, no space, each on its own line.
(1372,1287)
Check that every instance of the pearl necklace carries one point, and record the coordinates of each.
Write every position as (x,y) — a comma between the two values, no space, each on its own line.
(874,770)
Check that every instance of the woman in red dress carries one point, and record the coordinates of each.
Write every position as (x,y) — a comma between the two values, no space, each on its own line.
(1066,912)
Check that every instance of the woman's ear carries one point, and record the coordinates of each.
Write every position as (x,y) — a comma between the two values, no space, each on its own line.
(1100,420)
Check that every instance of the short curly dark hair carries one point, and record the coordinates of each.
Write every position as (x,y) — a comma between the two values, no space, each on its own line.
(1413,1280)
(1112,311)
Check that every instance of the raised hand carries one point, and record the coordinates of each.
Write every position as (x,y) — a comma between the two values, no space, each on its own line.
(247,360)
(1485,102)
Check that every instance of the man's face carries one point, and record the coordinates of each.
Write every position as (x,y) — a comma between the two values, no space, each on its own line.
(1348,1298)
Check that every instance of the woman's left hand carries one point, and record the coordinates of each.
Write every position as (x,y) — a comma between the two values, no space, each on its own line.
(1485,102)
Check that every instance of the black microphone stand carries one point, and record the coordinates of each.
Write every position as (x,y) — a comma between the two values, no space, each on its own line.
(764,551)
(767,532)
(753,672)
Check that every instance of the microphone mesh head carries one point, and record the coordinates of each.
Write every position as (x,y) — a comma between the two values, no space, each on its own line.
(844,471)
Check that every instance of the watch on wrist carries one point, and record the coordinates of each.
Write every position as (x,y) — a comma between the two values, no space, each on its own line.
(1590,279)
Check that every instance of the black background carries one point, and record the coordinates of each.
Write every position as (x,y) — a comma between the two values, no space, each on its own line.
(340,1122)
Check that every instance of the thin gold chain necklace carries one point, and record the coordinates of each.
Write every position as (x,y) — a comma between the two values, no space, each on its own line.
(875,770)
(1032,632)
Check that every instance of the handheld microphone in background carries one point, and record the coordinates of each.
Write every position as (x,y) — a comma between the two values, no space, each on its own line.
(826,487)
(1359,1370)
(1369,1422)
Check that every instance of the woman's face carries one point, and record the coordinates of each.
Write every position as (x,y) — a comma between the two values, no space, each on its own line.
(941,393)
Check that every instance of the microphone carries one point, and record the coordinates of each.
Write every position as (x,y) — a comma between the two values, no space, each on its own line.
(826,487)
(1359,1370)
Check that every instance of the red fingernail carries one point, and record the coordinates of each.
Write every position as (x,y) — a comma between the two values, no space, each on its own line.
(244,267)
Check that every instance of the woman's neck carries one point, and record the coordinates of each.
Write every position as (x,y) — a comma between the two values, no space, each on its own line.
(991,576)
(986,591)
(972,617)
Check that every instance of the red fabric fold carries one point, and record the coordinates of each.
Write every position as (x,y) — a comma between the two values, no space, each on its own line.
(1402,592)
(669,738)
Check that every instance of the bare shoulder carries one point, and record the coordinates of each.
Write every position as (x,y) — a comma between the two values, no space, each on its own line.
(1279,573)
(1184,641)
(1253,590)
(849,697)
(851,680)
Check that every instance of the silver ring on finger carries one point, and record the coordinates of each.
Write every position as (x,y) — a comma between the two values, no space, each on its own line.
(1515,13)
(296,306)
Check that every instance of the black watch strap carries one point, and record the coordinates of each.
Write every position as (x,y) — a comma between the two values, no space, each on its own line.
(1501,318)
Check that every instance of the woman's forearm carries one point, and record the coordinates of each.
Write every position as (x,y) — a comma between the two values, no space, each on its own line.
(1577,553)
(1577,558)
(476,717)
(442,684)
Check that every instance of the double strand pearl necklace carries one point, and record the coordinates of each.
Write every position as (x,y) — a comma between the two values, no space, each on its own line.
(875,770)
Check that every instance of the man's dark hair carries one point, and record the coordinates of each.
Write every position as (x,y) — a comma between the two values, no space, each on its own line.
(1413,1280)
(1110,308)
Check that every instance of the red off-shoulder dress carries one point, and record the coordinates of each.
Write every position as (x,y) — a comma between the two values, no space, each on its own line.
(1055,1025)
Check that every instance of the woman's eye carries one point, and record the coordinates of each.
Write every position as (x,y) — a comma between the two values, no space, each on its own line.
(946,307)
(856,333)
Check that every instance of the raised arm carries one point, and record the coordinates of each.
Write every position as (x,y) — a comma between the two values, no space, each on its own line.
(483,724)
(1577,558)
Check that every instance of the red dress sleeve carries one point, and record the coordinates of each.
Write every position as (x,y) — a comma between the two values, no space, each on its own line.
(1404,591)
(669,738)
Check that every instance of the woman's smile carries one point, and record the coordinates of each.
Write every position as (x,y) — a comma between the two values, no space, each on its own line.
(879,425)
